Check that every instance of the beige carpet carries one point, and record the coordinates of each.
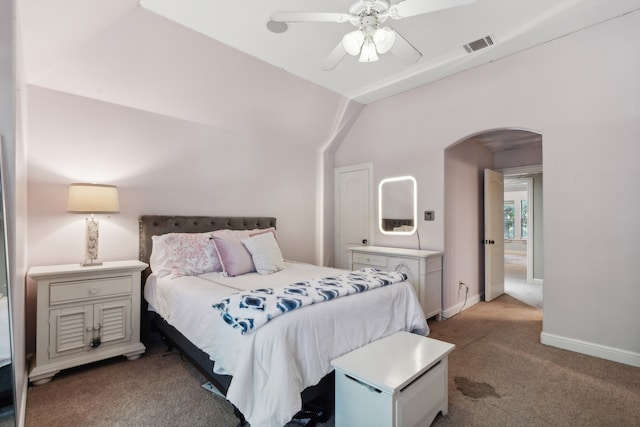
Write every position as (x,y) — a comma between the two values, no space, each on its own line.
(499,375)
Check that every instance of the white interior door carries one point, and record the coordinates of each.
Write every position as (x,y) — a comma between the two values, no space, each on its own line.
(493,234)
(354,209)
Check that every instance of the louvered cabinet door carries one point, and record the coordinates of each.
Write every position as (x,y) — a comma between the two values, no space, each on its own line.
(113,322)
(70,330)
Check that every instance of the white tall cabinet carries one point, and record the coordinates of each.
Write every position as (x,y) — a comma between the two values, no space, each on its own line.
(85,314)
(423,269)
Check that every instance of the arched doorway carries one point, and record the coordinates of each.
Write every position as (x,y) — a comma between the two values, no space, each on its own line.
(465,161)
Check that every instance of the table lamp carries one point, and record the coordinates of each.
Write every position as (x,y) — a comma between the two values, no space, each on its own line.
(92,199)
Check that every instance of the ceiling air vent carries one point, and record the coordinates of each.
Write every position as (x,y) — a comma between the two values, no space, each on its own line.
(479,44)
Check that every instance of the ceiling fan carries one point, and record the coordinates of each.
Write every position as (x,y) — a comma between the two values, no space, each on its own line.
(371,39)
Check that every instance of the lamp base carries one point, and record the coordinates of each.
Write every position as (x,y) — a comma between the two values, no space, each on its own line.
(91,242)
(91,263)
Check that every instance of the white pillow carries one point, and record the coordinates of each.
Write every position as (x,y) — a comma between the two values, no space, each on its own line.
(160,255)
(265,253)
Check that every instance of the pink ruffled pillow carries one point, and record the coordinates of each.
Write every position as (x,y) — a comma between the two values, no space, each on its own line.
(184,254)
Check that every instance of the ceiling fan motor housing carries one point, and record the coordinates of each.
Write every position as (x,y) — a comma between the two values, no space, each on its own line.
(366,6)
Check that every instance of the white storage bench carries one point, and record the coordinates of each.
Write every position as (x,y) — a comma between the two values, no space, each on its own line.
(398,381)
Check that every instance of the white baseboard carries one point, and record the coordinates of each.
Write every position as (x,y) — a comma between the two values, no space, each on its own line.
(452,311)
(591,349)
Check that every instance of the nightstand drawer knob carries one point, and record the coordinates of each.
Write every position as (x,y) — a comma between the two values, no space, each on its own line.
(94,290)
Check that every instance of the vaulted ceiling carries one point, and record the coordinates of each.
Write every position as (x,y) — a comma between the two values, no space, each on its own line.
(77,45)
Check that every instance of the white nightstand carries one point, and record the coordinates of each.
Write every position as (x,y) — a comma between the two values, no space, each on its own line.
(85,314)
(398,381)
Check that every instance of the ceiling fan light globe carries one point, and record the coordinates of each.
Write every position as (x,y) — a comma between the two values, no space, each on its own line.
(369,53)
(352,42)
(384,39)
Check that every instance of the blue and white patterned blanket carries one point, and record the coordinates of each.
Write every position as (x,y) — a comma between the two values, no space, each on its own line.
(247,311)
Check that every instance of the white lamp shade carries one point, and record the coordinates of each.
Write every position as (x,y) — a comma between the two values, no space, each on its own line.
(368,51)
(93,199)
(384,39)
(352,42)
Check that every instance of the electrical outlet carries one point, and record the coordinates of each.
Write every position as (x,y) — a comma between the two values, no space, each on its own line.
(429,215)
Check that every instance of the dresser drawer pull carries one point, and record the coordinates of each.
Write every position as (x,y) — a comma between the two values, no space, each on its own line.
(94,290)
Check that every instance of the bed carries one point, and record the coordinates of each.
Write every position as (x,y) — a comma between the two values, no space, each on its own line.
(270,372)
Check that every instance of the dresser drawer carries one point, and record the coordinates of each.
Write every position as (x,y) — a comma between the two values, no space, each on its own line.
(63,292)
(369,259)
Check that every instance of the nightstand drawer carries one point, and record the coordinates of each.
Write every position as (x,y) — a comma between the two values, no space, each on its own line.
(63,292)
(369,259)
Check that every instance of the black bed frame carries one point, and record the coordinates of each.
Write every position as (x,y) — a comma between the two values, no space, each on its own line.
(315,399)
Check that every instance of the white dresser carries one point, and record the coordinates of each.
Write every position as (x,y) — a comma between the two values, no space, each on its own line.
(398,381)
(423,268)
(85,314)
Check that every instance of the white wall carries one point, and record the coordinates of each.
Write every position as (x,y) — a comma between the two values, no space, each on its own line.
(464,224)
(161,165)
(538,227)
(581,93)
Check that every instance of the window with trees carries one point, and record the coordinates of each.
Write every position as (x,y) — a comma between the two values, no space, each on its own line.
(524,219)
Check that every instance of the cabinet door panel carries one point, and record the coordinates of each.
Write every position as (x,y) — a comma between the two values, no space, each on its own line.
(431,294)
(360,405)
(68,330)
(113,318)
(419,403)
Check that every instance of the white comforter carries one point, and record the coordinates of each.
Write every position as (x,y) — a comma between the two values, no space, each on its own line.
(271,366)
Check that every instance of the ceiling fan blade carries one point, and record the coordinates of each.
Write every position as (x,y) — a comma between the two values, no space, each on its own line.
(334,58)
(408,8)
(309,17)
(405,50)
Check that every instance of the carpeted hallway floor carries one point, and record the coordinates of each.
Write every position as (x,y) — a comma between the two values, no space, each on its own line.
(515,281)
(499,375)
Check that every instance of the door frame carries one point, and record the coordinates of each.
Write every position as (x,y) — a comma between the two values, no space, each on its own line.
(336,202)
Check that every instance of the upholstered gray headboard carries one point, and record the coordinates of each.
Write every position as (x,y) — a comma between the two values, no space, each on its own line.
(154,225)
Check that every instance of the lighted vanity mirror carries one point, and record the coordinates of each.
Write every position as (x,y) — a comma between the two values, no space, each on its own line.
(397,205)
